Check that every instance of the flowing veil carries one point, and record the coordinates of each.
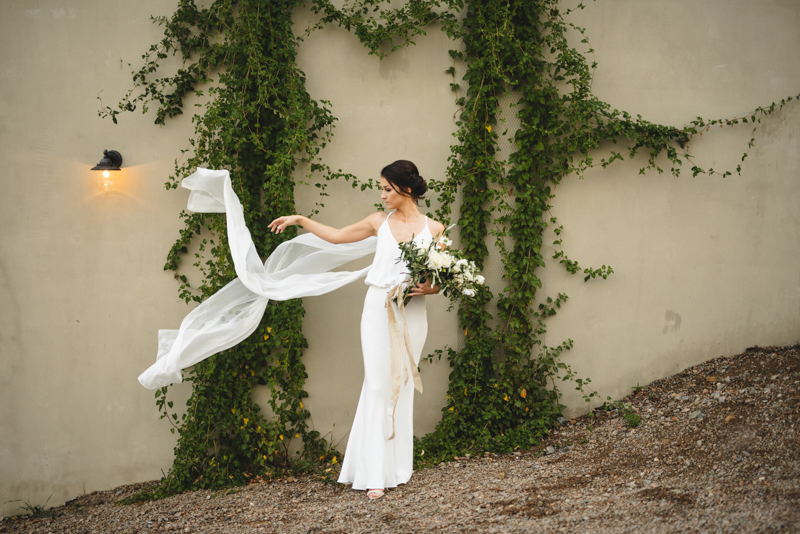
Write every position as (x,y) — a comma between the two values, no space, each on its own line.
(301,267)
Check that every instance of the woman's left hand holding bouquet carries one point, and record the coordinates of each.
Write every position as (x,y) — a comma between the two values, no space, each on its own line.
(424,288)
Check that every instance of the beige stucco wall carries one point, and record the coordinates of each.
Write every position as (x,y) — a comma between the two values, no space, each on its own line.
(703,266)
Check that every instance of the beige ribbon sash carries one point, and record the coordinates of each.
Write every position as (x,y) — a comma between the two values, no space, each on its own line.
(401,349)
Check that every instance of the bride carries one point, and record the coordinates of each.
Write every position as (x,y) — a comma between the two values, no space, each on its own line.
(380,451)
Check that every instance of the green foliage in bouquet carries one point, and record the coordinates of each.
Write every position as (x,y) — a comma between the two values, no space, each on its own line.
(456,276)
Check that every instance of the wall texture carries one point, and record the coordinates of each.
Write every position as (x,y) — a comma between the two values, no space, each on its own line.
(703,266)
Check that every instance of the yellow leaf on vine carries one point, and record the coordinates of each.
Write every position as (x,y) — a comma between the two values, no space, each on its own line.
(233,411)
(246,420)
(524,393)
(281,437)
(489,128)
(451,408)
(505,396)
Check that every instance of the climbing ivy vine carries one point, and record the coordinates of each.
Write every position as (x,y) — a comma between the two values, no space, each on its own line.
(257,120)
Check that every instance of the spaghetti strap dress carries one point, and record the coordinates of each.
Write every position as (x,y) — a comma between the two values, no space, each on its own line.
(371,460)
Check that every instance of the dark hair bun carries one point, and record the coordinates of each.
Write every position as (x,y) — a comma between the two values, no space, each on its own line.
(405,179)
(418,186)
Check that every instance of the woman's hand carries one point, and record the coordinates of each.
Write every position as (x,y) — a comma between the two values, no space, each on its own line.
(282,223)
(423,289)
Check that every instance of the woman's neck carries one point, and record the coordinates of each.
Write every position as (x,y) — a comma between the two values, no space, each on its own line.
(407,212)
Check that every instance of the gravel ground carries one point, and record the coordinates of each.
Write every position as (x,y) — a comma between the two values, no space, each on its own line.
(717,451)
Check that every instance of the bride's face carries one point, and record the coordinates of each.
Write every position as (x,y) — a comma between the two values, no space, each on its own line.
(390,197)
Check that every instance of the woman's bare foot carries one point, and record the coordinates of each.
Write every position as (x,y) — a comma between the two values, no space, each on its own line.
(375,494)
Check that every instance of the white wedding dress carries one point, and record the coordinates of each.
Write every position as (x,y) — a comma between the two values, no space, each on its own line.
(372,460)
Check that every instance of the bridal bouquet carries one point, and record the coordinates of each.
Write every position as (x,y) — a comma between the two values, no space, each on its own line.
(456,276)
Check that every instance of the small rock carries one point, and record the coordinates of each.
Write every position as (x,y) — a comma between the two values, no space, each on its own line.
(729,418)
(550,449)
(695,414)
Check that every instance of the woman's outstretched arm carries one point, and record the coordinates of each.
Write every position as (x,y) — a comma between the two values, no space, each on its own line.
(348,234)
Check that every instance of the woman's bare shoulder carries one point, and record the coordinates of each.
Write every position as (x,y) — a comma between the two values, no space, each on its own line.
(376,219)
(436,227)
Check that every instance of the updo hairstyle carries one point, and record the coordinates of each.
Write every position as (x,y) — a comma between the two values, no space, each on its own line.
(404,178)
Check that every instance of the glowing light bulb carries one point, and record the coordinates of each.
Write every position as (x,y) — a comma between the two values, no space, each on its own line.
(107,180)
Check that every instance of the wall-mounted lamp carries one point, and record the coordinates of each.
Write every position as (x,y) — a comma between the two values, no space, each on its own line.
(110,162)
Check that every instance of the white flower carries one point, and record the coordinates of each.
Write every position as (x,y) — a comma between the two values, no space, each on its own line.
(480,279)
(459,265)
(469,292)
(438,260)
(445,241)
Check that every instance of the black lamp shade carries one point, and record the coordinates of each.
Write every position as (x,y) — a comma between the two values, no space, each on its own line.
(110,162)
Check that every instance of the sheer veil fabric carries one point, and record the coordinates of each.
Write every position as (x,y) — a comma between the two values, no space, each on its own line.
(301,267)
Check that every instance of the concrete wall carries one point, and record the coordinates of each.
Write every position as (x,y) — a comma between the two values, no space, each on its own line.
(703,266)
